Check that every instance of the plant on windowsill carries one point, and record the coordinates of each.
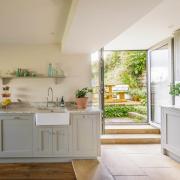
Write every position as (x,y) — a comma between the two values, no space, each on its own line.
(81,97)
(175,89)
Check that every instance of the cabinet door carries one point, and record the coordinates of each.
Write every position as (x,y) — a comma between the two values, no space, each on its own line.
(16,136)
(43,141)
(85,135)
(60,141)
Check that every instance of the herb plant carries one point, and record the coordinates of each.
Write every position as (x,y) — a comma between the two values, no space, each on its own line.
(80,93)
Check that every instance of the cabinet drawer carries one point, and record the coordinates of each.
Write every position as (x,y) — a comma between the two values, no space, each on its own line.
(16,117)
(83,116)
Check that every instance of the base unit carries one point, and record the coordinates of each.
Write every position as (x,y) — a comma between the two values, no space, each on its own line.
(170,130)
(85,134)
(16,134)
(22,141)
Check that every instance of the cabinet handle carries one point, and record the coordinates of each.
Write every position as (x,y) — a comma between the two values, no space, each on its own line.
(17,117)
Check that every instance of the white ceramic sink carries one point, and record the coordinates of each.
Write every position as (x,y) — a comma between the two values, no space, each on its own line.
(44,119)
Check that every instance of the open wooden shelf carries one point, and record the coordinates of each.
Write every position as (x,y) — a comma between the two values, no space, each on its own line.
(7,79)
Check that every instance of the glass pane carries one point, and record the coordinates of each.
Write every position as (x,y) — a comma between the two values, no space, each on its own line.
(95,78)
(160,80)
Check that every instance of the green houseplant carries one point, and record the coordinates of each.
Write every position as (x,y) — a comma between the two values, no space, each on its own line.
(81,97)
(175,89)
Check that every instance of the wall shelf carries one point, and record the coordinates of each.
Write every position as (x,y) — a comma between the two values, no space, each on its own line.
(7,79)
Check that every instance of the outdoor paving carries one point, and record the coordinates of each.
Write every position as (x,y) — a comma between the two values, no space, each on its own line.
(118,120)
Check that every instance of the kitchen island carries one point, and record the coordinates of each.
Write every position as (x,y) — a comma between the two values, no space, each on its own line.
(22,140)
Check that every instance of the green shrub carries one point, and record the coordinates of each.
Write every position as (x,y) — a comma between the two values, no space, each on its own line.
(113,111)
(118,111)
(127,78)
(138,94)
(141,109)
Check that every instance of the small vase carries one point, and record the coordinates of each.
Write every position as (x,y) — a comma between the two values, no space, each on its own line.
(81,102)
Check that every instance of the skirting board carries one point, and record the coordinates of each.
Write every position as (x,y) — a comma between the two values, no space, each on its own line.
(40,160)
(173,156)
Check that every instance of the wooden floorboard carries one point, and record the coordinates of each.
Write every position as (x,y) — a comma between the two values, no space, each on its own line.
(37,171)
(91,170)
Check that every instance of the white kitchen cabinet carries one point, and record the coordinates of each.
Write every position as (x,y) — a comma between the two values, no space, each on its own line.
(60,141)
(43,141)
(16,134)
(170,132)
(50,141)
(85,134)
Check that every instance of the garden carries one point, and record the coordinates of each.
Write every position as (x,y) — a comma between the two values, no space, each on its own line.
(125,69)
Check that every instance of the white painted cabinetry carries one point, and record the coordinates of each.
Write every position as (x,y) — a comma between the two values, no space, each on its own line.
(16,132)
(61,141)
(20,137)
(170,132)
(85,134)
(51,141)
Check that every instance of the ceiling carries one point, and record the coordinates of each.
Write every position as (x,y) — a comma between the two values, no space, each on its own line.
(33,21)
(97,22)
(84,26)
(157,25)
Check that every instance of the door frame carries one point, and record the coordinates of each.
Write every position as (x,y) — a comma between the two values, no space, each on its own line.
(101,88)
(170,43)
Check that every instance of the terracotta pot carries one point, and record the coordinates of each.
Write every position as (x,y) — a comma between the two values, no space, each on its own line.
(81,102)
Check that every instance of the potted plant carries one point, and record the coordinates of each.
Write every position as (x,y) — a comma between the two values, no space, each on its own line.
(81,97)
(175,89)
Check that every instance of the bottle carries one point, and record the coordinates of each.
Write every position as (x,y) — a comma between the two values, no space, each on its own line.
(50,70)
(62,102)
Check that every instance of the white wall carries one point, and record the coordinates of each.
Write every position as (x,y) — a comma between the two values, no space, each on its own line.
(77,68)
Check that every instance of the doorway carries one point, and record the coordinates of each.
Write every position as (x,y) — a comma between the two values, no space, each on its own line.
(120,79)
(119,96)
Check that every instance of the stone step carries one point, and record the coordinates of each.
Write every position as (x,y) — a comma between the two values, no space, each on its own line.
(137,115)
(130,139)
(131,129)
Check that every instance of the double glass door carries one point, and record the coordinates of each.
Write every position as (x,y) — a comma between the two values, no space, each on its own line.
(160,78)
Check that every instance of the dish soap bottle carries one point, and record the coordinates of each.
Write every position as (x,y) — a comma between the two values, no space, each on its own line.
(62,102)
(50,70)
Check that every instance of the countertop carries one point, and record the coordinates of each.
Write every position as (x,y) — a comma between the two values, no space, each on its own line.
(31,109)
(171,106)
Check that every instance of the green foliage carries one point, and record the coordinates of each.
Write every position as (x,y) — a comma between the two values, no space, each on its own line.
(136,63)
(134,67)
(175,89)
(80,93)
(112,61)
(122,67)
(113,111)
(128,79)
(139,95)
(141,109)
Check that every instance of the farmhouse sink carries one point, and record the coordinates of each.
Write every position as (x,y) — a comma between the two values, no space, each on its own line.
(51,109)
(45,118)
